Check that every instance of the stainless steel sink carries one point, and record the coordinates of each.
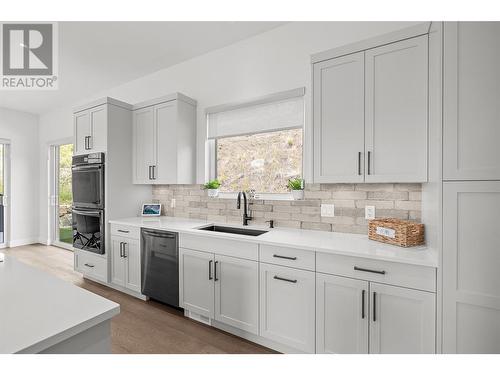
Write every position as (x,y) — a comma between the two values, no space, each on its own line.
(233,230)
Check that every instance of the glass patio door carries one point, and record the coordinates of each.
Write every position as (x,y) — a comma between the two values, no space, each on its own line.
(63,225)
(4,192)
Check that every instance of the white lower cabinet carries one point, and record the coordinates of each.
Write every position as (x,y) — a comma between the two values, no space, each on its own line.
(287,306)
(196,285)
(302,310)
(220,287)
(126,263)
(357,316)
(237,292)
(91,265)
(342,315)
(402,320)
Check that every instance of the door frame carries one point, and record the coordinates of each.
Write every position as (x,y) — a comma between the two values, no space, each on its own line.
(53,192)
(6,180)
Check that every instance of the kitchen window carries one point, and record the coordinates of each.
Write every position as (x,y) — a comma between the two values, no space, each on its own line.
(257,145)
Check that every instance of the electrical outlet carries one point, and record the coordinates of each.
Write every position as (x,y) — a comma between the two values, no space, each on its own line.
(172,203)
(369,212)
(328,210)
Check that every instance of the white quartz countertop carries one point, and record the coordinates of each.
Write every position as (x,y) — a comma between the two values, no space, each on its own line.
(38,310)
(357,245)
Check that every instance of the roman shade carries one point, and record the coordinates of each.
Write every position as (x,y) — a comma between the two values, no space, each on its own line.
(274,112)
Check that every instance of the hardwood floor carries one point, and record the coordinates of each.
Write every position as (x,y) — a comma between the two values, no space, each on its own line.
(142,326)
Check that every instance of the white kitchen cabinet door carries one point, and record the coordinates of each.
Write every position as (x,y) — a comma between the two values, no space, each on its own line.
(117,261)
(196,281)
(98,128)
(396,77)
(471,130)
(339,123)
(165,169)
(145,145)
(287,306)
(81,128)
(132,256)
(471,259)
(342,315)
(402,321)
(237,292)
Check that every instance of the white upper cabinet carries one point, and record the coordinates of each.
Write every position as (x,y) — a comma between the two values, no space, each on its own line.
(90,130)
(165,141)
(144,145)
(471,258)
(342,315)
(471,126)
(339,119)
(396,98)
(371,114)
(402,320)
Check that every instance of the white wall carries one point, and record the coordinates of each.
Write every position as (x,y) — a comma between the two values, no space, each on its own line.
(21,129)
(274,61)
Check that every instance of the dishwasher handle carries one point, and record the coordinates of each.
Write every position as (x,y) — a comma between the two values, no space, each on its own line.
(159,234)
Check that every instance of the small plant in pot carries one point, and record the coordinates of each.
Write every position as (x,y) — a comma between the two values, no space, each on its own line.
(296,186)
(212,188)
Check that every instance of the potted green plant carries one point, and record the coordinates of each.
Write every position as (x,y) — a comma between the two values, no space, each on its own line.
(212,188)
(296,186)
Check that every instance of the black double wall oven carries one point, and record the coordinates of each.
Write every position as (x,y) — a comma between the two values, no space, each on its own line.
(88,202)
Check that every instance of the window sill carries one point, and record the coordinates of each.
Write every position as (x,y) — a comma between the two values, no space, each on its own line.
(260,196)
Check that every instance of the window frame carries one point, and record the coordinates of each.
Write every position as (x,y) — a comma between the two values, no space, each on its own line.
(258,196)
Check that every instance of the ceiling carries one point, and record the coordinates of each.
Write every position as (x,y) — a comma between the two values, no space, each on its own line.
(95,56)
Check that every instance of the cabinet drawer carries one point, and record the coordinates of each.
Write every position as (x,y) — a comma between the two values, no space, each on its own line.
(220,246)
(400,274)
(126,231)
(289,257)
(91,265)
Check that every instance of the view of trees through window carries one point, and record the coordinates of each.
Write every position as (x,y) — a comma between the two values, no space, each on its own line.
(65,193)
(263,162)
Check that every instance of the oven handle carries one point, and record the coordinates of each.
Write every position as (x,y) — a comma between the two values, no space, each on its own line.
(86,167)
(81,212)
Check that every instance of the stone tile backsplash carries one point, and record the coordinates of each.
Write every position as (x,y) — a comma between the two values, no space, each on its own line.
(390,200)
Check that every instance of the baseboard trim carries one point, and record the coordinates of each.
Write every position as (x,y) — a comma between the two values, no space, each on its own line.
(23,242)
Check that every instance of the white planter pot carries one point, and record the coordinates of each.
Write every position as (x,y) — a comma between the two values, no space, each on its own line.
(212,193)
(298,194)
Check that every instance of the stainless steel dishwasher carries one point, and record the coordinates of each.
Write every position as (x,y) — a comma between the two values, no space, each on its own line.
(160,265)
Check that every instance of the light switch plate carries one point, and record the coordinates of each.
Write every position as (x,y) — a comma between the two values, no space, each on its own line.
(328,210)
(369,212)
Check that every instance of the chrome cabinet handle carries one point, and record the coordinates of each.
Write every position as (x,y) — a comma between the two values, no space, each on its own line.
(90,139)
(121,249)
(368,270)
(215,270)
(153,169)
(374,306)
(149,173)
(284,279)
(210,270)
(89,265)
(124,250)
(363,304)
(123,231)
(284,257)
(359,163)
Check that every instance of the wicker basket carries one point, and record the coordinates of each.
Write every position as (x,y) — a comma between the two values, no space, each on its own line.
(398,232)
